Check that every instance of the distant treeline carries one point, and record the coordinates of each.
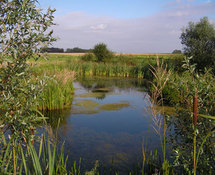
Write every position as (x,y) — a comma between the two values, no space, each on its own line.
(69,50)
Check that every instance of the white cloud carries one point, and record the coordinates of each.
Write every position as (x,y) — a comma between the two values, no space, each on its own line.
(98,27)
(157,33)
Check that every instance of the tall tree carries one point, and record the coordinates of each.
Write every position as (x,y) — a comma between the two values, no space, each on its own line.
(199,41)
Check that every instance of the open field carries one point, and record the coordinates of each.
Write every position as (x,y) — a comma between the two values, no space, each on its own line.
(81,54)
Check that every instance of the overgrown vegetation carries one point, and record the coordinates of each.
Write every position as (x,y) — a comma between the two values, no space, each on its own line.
(199,42)
(23,91)
(21,40)
(102,53)
(58,93)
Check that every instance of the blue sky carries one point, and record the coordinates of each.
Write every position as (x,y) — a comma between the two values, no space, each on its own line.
(133,26)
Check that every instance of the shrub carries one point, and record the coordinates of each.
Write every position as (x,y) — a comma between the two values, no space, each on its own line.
(176,51)
(88,57)
(101,52)
(23,34)
(199,41)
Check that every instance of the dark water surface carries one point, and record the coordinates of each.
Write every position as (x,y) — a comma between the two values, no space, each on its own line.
(108,122)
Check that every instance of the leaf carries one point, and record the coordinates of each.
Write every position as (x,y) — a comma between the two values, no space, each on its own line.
(207,116)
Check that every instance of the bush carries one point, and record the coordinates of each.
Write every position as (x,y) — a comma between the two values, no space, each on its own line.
(88,57)
(176,51)
(102,53)
(199,42)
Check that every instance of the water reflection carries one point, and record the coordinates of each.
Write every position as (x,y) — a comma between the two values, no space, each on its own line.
(107,122)
(57,117)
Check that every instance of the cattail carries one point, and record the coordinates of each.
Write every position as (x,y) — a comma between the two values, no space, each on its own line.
(32,134)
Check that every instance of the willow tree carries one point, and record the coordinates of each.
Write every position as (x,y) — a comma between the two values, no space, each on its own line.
(24,31)
(199,42)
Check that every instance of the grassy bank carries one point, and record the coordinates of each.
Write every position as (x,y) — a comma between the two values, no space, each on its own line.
(135,66)
(63,68)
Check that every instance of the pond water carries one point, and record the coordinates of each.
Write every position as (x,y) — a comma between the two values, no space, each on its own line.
(108,122)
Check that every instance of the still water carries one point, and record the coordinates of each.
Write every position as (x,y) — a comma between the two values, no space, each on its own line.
(108,122)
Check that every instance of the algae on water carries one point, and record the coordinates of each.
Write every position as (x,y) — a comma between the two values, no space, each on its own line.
(93,107)
(85,107)
(114,106)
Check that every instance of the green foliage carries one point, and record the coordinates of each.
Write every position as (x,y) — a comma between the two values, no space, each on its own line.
(176,51)
(101,52)
(77,50)
(23,34)
(199,41)
(53,50)
(175,63)
(198,140)
(47,159)
(57,95)
(88,57)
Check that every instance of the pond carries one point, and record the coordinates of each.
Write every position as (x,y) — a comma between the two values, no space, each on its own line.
(108,122)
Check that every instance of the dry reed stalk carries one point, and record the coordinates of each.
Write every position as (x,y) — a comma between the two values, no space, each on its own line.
(161,76)
(65,76)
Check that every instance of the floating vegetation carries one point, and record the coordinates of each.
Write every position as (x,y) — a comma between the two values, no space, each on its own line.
(114,106)
(85,107)
(93,107)
(87,104)
(97,95)
(92,95)
(102,90)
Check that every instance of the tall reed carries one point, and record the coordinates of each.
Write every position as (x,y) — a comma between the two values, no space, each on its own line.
(58,93)
(161,77)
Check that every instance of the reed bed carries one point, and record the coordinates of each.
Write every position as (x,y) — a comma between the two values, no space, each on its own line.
(63,68)
(58,93)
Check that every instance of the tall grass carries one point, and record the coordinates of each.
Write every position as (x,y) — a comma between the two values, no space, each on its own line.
(191,138)
(27,159)
(161,77)
(135,66)
(58,93)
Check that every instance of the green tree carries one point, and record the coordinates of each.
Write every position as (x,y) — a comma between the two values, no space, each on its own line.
(199,41)
(24,32)
(176,51)
(101,52)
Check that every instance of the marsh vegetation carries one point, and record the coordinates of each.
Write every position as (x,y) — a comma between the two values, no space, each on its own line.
(109,110)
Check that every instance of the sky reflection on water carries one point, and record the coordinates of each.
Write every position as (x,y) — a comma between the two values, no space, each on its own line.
(107,135)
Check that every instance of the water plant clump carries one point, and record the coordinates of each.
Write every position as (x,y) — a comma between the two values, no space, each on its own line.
(58,93)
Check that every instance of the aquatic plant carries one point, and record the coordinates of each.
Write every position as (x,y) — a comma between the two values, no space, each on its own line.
(47,159)
(58,93)
(161,77)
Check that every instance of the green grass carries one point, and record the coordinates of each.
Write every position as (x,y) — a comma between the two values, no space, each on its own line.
(58,92)
(133,66)
(57,95)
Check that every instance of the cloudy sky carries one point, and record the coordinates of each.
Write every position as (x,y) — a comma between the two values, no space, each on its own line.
(126,26)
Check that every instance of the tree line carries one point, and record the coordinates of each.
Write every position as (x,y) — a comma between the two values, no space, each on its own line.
(68,50)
